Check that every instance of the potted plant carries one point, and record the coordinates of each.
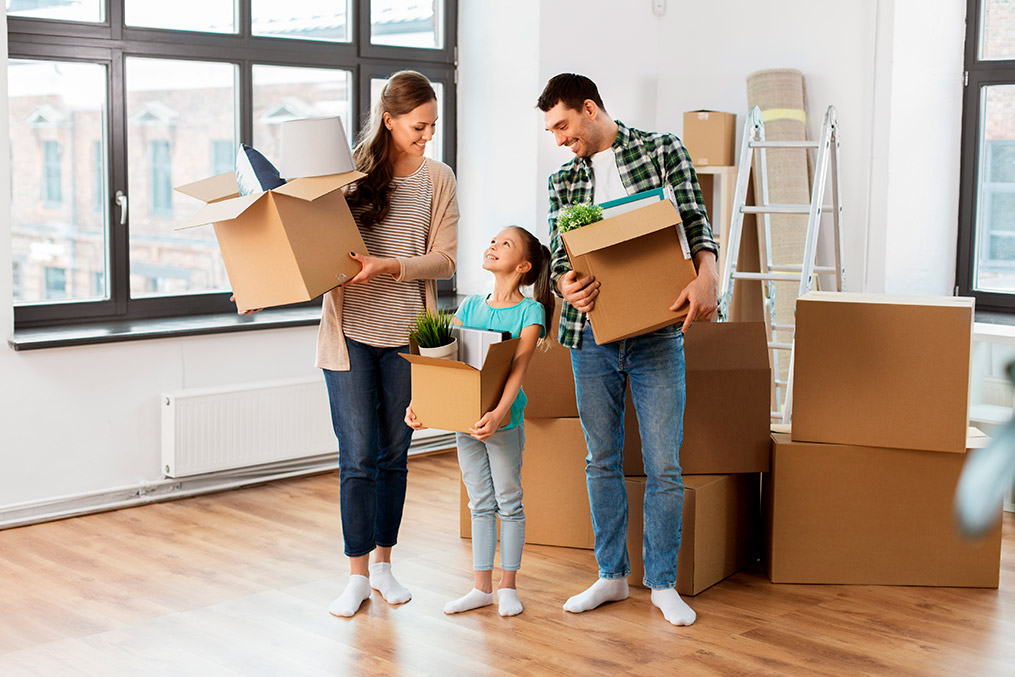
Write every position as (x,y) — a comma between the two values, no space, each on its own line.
(577,215)
(432,334)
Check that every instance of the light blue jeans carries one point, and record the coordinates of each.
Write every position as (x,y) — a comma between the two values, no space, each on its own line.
(654,364)
(492,472)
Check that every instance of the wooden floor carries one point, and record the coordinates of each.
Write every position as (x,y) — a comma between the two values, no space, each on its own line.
(239,584)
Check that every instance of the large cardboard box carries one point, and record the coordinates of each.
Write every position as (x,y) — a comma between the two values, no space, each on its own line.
(873,516)
(642,261)
(882,371)
(452,395)
(726,415)
(721,529)
(549,381)
(710,137)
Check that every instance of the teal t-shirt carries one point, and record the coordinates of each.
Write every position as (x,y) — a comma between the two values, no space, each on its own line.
(475,313)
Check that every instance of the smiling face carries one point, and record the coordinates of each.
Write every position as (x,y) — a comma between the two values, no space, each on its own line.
(411,132)
(576,129)
(506,253)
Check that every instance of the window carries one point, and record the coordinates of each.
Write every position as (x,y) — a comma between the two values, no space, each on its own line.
(112,104)
(986,248)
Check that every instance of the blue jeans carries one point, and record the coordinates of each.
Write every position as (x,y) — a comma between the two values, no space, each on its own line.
(368,405)
(654,364)
(492,472)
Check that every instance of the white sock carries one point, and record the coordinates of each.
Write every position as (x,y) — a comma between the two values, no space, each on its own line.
(508,603)
(383,582)
(603,590)
(674,609)
(473,600)
(356,592)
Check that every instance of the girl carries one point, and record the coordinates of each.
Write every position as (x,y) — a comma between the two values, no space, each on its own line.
(491,454)
(407,212)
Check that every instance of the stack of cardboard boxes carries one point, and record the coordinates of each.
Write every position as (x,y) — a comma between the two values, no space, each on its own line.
(861,490)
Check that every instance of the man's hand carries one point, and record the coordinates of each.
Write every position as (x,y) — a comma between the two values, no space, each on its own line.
(372,267)
(245,312)
(702,294)
(580,292)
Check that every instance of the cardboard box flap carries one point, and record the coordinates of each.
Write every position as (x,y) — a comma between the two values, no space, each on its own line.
(715,349)
(216,212)
(502,351)
(897,299)
(312,187)
(630,225)
(213,189)
(437,362)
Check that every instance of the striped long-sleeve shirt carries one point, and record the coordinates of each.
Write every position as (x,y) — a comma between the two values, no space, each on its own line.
(645,160)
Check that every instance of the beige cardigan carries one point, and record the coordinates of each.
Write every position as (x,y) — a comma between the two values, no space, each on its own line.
(438,263)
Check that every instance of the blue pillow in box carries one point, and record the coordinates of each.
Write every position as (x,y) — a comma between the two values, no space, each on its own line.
(254,173)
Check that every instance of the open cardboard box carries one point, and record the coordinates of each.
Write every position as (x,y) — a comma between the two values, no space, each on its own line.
(642,261)
(452,395)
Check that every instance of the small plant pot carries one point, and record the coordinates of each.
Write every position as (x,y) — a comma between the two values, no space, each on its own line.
(445,352)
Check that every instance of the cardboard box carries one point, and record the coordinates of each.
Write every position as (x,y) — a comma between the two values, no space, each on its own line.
(642,262)
(726,415)
(549,381)
(721,529)
(452,395)
(882,371)
(873,516)
(555,498)
(710,137)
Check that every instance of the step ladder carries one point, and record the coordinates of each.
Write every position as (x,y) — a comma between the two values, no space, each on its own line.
(827,161)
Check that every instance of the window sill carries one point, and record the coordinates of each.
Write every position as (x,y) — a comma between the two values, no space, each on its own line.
(174,327)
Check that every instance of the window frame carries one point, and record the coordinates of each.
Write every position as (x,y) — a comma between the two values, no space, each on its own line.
(979,73)
(110,43)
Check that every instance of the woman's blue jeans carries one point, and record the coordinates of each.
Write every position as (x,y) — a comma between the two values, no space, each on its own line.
(368,405)
(654,365)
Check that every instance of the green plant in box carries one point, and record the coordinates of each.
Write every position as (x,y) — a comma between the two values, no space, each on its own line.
(432,330)
(578,215)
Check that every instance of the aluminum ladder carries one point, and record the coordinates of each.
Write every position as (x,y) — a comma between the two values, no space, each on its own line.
(827,146)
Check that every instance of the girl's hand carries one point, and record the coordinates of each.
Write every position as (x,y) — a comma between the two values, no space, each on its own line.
(245,312)
(487,426)
(372,267)
(410,419)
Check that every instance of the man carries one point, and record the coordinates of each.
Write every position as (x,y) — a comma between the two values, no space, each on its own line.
(613,160)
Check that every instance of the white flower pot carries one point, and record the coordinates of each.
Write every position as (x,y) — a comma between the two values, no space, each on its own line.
(445,352)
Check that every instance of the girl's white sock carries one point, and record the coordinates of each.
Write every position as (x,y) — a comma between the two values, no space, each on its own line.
(356,592)
(603,590)
(508,603)
(674,609)
(473,600)
(382,580)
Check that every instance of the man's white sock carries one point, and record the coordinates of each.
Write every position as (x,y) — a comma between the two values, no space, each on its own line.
(603,590)
(356,592)
(473,600)
(508,603)
(384,582)
(674,609)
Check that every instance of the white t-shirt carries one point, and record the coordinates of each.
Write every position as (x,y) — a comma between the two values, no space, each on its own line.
(607,183)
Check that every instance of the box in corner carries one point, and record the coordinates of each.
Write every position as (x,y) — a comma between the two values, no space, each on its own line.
(549,383)
(452,395)
(642,260)
(710,137)
(882,370)
(721,529)
(840,514)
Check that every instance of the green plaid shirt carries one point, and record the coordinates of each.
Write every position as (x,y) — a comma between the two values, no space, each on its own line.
(646,161)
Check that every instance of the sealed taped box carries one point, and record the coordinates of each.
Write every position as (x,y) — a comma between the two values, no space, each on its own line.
(843,514)
(642,261)
(549,383)
(721,529)
(882,370)
(710,137)
(452,395)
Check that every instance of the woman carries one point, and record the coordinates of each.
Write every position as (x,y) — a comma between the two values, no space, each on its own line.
(407,212)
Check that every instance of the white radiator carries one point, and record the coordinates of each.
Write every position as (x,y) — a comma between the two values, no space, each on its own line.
(213,429)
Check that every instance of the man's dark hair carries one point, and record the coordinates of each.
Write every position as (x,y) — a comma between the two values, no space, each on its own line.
(570,89)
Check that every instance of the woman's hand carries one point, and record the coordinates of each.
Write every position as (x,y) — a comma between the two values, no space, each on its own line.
(245,312)
(373,266)
(410,419)
(487,426)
